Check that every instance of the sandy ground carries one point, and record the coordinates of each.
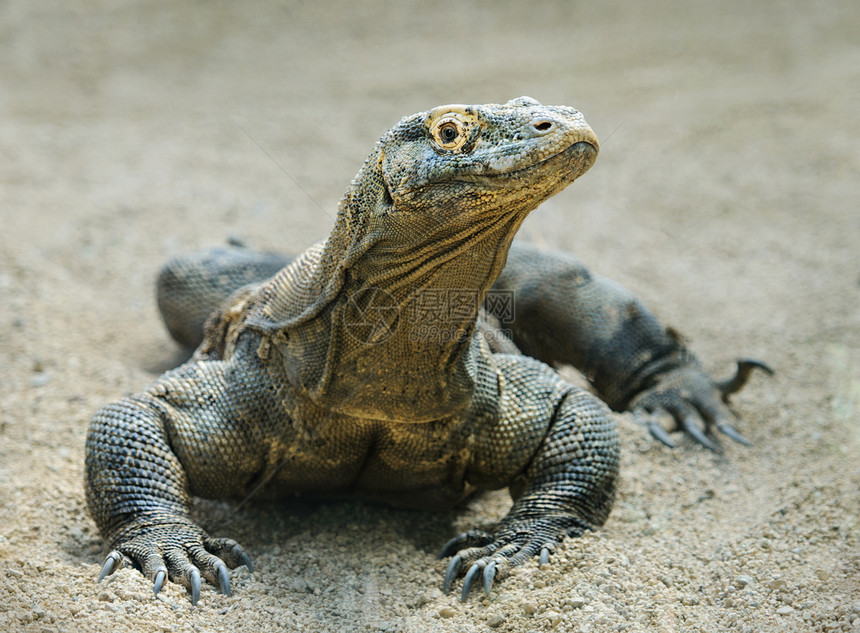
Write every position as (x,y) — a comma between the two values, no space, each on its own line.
(726,195)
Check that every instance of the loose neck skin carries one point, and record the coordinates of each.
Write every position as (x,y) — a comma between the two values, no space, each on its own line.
(437,275)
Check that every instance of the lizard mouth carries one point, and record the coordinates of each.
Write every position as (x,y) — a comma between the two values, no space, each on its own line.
(576,158)
(560,169)
(542,178)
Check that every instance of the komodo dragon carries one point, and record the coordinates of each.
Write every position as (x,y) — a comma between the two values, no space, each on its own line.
(369,366)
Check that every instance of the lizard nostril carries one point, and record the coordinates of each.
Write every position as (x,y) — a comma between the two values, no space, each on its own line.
(543,126)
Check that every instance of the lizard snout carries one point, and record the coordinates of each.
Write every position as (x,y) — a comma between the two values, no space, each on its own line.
(569,125)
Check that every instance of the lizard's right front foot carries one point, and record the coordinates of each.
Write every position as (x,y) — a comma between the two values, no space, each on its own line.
(180,552)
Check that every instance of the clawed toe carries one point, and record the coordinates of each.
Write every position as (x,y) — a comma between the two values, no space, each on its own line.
(158,582)
(194,584)
(545,552)
(452,572)
(223,578)
(246,562)
(692,429)
(649,421)
(112,563)
(729,431)
(230,551)
(489,576)
(466,540)
(471,576)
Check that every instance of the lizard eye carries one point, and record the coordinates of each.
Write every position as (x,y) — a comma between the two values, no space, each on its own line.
(449,133)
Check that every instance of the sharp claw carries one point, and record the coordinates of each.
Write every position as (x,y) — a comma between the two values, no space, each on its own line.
(728,430)
(223,579)
(469,581)
(195,586)
(489,575)
(736,382)
(450,547)
(244,560)
(659,433)
(112,563)
(697,434)
(544,557)
(466,539)
(452,572)
(656,430)
(158,582)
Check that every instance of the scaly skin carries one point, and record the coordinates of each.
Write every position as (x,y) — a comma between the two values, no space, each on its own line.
(368,366)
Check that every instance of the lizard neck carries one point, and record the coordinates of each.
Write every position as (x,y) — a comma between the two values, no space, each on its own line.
(403,317)
(436,277)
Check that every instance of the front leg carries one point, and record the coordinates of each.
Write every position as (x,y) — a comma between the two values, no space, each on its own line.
(146,455)
(564,314)
(566,486)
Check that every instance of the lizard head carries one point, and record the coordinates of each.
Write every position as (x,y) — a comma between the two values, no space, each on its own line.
(481,158)
(457,170)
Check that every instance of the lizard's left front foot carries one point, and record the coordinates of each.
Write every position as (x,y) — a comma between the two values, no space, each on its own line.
(695,402)
(179,551)
(480,554)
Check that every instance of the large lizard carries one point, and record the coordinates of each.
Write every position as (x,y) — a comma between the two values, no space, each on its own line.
(405,359)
